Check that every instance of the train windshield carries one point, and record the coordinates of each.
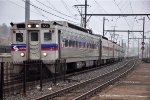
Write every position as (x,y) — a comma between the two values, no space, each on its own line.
(34,36)
(47,36)
(19,37)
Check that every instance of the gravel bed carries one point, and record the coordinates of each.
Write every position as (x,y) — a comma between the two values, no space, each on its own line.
(92,74)
(77,92)
(49,87)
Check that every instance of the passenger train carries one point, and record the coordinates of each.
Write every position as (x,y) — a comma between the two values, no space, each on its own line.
(48,41)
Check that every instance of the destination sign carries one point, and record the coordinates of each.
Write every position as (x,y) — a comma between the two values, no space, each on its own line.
(45,26)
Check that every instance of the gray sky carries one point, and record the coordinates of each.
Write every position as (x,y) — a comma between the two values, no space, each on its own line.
(13,11)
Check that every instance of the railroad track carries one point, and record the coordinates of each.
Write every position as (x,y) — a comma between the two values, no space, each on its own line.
(84,89)
(71,79)
(16,86)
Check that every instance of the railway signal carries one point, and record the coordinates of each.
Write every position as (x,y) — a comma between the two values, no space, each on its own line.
(143,43)
(142,48)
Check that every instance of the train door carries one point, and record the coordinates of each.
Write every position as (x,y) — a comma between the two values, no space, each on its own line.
(113,51)
(34,46)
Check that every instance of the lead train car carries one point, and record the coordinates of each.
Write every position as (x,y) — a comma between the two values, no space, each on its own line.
(48,41)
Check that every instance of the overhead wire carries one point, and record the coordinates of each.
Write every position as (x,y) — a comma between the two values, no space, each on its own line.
(42,14)
(104,10)
(132,13)
(52,5)
(66,6)
(121,12)
(122,5)
(100,6)
(78,1)
(53,9)
(131,6)
(24,8)
(125,7)
(50,13)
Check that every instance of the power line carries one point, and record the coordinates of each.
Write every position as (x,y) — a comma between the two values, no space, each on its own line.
(24,8)
(52,5)
(53,9)
(103,9)
(132,12)
(131,6)
(125,7)
(16,4)
(41,13)
(123,4)
(78,1)
(65,5)
(121,12)
(100,6)
(49,12)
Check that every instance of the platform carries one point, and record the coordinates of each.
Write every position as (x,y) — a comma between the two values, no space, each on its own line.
(136,86)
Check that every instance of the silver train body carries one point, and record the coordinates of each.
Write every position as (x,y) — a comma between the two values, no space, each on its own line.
(49,40)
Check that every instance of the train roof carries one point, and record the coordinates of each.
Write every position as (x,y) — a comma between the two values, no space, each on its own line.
(62,23)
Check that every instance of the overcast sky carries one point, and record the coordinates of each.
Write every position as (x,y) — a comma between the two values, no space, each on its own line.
(13,11)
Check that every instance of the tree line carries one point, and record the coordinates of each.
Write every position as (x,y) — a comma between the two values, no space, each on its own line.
(4,30)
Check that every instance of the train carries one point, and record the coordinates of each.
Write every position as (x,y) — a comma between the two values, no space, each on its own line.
(5,49)
(49,41)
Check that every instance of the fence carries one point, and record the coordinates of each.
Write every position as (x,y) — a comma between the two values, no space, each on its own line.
(9,82)
(12,83)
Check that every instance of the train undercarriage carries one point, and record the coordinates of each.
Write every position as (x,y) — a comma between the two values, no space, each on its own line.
(33,69)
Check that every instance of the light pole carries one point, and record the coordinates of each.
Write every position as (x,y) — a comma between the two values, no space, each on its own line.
(27,10)
(104,25)
(149,50)
(138,48)
(143,36)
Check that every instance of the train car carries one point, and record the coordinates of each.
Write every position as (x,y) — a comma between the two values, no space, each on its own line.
(118,52)
(110,52)
(4,49)
(48,41)
(105,50)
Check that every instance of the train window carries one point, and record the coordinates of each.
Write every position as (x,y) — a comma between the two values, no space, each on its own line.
(34,36)
(21,25)
(87,45)
(70,43)
(73,44)
(47,36)
(66,43)
(76,44)
(19,37)
(84,44)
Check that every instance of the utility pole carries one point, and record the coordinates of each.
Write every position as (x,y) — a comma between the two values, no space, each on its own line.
(133,53)
(143,37)
(81,13)
(83,19)
(128,44)
(149,50)
(104,25)
(114,33)
(27,10)
(122,42)
(138,48)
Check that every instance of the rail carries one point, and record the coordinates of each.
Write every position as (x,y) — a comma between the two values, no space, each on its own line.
(87,94)
(62,91)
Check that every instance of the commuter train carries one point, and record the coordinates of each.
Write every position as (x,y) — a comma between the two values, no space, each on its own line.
(48,41)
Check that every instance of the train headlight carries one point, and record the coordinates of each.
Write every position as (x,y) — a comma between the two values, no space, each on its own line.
(44,54)
(29,26)
(22,54)
(37,26)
